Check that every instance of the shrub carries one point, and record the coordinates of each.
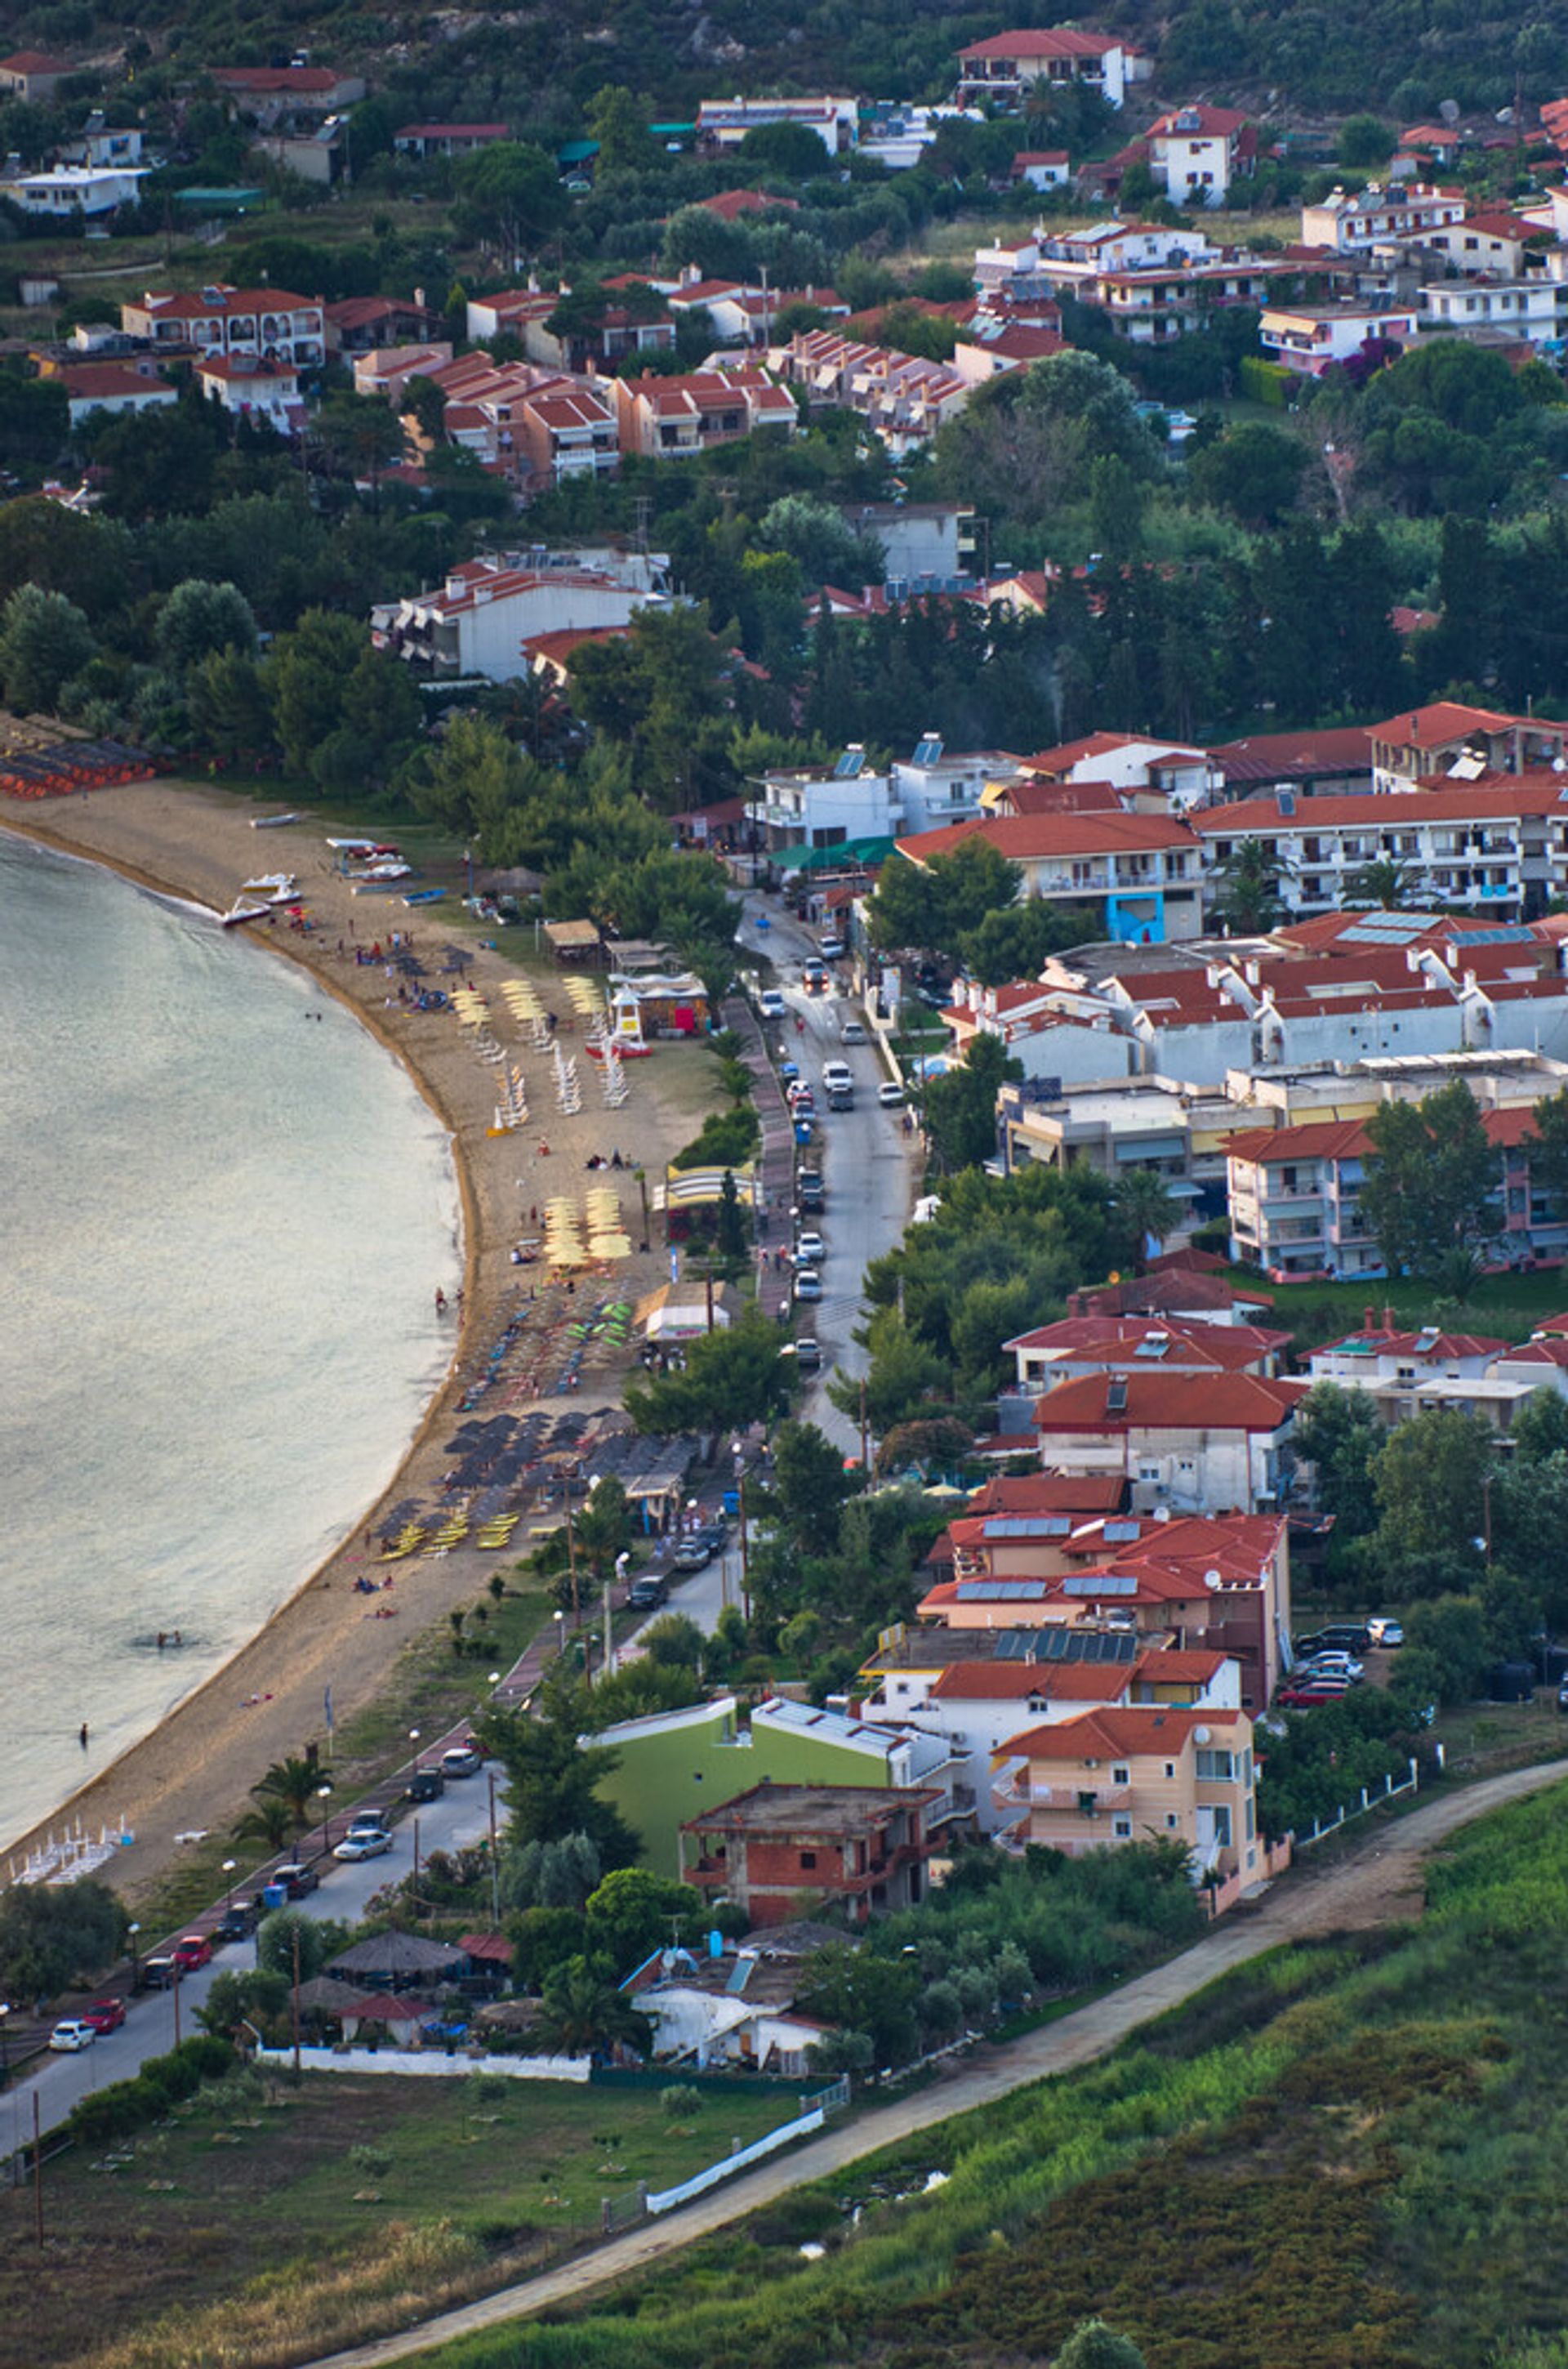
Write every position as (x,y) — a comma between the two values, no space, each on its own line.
(677,2104)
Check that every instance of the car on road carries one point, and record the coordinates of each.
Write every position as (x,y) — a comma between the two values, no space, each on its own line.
(191,1952)
(890,1094)
(363,1842)
(810,1248)
(807,1283)
(75,2033)
(104,2015)
(296,1879)
(810,1193)
(368,1822)
(425,1785)
(647,1595)
(808,1355)
(832,948)
(1305,1697)
(159,1974)
(1339,1637)
(1386,1633)
(837,1077)
(692,1554)
(462,1760)
(770,1003)
(237,1922)
(716,1533)
(852,1032)
(814,979)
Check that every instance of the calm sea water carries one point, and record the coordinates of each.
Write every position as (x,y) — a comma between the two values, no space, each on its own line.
(222,1224)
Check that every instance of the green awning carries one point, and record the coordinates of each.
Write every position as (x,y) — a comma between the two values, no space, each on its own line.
(824,859)
(575,152)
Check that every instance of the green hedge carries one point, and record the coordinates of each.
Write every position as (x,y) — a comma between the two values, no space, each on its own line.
(114,2112)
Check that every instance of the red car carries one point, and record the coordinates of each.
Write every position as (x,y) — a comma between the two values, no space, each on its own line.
(1305,1697)
(192,1949)
(104,2015)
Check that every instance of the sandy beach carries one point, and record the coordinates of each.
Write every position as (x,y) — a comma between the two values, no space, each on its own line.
(194,1771)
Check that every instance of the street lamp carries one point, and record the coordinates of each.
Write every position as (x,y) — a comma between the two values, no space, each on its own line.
(324,1796)
(560,1620)
(414,1740)
(130,1933)
(6,2045)
(229,1867)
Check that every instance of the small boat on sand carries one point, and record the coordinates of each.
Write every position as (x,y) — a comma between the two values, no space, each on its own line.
(277,887)
(273,822)
(240,911)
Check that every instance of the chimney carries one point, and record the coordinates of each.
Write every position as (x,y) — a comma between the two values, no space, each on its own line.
(1368,1319)
(1389,1324)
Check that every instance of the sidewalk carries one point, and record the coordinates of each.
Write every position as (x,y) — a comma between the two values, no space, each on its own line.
(778,1154)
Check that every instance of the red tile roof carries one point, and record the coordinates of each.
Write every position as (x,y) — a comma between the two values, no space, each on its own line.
(1120,1340)
(1023,838)
(1196,123)
(1279,756)
(1170,1402)
(1445,721)
(1347,1138)
(1126,1735)
(1045,41)
(1182,1293)
(35,62)
(1522,793)
(1096,1682)
(1056,1493)
(731,202)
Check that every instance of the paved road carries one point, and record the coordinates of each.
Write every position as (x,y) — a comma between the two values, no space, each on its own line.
(1380,1881)
(462,1815)
(869,1165)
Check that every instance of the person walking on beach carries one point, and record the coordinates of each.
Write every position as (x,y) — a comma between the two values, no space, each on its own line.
(83,1737)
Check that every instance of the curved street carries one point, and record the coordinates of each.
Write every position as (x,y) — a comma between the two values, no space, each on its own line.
(1379,1882)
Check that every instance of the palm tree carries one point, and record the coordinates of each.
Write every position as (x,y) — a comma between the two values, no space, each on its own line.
(1145,1204)
(584,2015)
(1247,888)
(1384,884)
(294,1782)
(269,1823)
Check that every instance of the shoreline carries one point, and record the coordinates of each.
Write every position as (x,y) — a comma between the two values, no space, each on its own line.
(193,1769)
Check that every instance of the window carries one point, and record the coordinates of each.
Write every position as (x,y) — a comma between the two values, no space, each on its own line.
(1216,1764)
(1122,1829)
(1121,1776)
(1251,1819)
(1170,1822)
(807,1859)
(1170,1768)
(1222,1825)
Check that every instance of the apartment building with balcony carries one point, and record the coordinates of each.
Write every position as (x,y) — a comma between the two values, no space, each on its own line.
(666,419)
(1200,152)
(1195,1443)
(863,1849)
(1498,844)
(1141,871)
(1464,743)
(1311,338)
(1138,1774)
(269,323)
(1397,214)
(1295,1194)
(1534,310)
(1005,69)
(723,124)
(478,620)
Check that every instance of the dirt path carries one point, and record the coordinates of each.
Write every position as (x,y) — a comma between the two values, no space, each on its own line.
(1382,1881)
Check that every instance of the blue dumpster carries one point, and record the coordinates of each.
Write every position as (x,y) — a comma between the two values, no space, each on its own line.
(276,1895)
(731,1501)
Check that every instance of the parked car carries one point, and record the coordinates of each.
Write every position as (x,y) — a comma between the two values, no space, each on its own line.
(715,1534)
(236,1922)
(104,2015)
(1387,1633)
(692,1554)
(425,1785)
(462,1760)
(814,979)
(1333,1665)
(852,1032)
(369,1821)
(363,1842)
(808,1356)
(770,1003)
(1307,1697)
(159,1974)
(809,1191)
(647,1595)
(191,1951)
(833,947)
(811,1248)
(73,2034)
(807,1283)
(890,1094)
(297,1880)
(1339,1637)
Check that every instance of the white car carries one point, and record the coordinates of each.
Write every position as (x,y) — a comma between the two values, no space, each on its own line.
(810,1249)
(365,1842)
(770,1003)
(1333,1665)
(852,1032)
(462,1760)
(66,2038)
(807,1283)
(890,1095)
(1387,1633)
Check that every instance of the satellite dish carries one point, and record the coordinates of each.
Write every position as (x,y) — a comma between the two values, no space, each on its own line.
(1200,1735)
(1211,1579)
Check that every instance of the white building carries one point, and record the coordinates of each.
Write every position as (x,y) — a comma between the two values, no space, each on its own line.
(72,190)
(1534,309)
(221,320)
(1309,338)
(723,124)
(253,389)
(1199,1443)
(1003,70)
(1197,153)
(477,621)
(1355,222)
(935,787)
(113,387)
(802,807)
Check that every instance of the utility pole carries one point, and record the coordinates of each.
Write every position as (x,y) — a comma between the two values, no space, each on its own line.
(177,2002)
(572,1558)
(295,1999)
(745,1564)
(495,1860)
(38,2171)
(864,1434)
(609,1661)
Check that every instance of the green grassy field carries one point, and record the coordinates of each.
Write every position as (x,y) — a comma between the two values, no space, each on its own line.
(1508,1307)
(1349,2155)
(269,2223)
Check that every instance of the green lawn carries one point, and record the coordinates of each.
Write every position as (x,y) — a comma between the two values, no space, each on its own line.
(280,2222)
(1508,1307)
